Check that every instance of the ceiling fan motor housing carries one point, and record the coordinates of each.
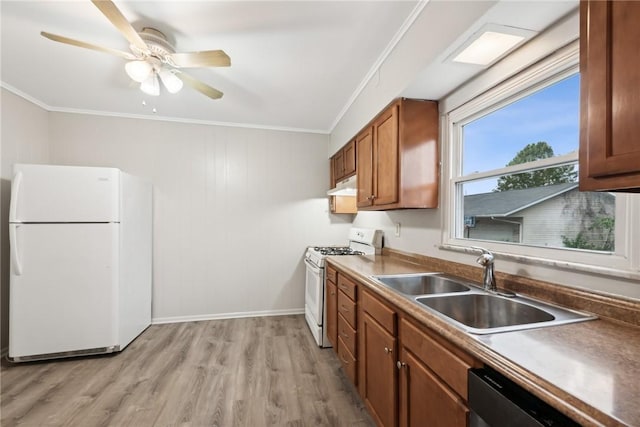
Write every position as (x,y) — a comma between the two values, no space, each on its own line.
(157,42)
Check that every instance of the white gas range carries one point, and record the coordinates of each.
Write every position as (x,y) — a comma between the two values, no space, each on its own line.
(362,241)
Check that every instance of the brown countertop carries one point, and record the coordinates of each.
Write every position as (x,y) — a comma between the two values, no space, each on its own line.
(590,370)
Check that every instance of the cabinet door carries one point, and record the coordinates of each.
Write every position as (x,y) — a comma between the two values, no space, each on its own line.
(332,172)
(380,373)
(385,143)
(424,399)
(364,148)
(338,165)
(610,98)
(332,312)
(349,158)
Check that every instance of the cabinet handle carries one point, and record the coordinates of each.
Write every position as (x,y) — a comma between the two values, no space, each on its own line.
(400,364)
(388,350)
(333,293)
(371,197)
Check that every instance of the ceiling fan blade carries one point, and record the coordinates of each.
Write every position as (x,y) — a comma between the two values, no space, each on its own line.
(199,86)
(67,40)
(113,14)
(207,58)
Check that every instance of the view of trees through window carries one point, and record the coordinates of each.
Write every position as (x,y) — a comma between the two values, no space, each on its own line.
(541,207)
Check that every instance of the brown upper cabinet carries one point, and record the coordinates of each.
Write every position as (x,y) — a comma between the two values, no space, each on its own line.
(610,95)
(349,159)
(397,157)
(343,163)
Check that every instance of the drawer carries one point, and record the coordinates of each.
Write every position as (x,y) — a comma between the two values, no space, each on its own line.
(347,286)
(348,361)
(332,274)
(379,311)
(451,365)
(347,309)
(347,334)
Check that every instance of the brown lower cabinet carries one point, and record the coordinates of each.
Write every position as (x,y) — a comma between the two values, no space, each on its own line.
(331,301)
(433,380)
(406,374)
(345,313)
(424,399)
(379,375)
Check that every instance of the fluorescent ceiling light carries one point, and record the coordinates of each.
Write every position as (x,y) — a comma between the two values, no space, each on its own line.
(489,44)
(487,48)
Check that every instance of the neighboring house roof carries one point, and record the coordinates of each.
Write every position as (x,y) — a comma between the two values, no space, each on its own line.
(506,203)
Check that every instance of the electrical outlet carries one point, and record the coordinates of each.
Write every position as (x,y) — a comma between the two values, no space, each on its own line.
(397,229)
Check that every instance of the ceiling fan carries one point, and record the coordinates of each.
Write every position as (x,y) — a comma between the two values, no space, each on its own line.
(152,58)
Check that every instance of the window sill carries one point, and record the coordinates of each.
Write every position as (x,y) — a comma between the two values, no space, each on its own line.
(546,262)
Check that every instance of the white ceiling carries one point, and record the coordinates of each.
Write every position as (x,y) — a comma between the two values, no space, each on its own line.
(295,64)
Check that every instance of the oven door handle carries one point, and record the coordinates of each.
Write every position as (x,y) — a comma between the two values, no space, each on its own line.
(312,266)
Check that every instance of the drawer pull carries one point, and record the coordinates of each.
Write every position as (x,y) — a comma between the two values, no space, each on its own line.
(400,364)
(388,350)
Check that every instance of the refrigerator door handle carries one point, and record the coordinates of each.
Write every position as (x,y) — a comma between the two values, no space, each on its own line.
(15,190)
(13,242)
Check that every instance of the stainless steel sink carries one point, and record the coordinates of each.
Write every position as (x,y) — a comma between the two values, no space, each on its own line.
(423,284)
(471,308)
(483,313)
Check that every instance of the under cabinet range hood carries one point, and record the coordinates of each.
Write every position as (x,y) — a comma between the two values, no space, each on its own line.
(347,187)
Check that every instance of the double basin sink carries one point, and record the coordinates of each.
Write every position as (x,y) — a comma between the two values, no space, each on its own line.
(474,310)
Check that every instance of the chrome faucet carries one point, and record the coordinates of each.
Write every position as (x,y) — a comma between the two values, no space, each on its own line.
(486,260)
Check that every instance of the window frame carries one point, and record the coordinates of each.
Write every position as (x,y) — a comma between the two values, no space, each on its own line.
(555,67)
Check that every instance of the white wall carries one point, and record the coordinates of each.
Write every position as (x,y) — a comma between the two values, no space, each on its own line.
(234,208)
(23,139)
(406,61)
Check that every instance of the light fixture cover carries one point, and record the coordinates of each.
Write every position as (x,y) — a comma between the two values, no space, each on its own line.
(489,44)
(138,70)
(151,86)
(170,81)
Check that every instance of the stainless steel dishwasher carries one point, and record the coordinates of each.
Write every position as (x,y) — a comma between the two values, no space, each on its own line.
(496,401)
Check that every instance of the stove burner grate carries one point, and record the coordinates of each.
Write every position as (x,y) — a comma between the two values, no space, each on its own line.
(337,250)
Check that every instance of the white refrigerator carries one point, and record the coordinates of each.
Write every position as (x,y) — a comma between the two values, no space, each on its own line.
(80,261)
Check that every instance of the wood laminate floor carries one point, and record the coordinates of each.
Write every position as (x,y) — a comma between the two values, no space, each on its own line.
(253,372)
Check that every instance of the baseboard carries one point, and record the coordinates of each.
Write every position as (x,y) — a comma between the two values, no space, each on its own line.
(238,315)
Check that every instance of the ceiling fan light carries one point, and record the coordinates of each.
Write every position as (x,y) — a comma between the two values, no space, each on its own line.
(151,86)
(138,70)
(170,81)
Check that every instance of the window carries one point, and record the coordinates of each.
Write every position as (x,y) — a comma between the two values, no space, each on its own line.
(513,183)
